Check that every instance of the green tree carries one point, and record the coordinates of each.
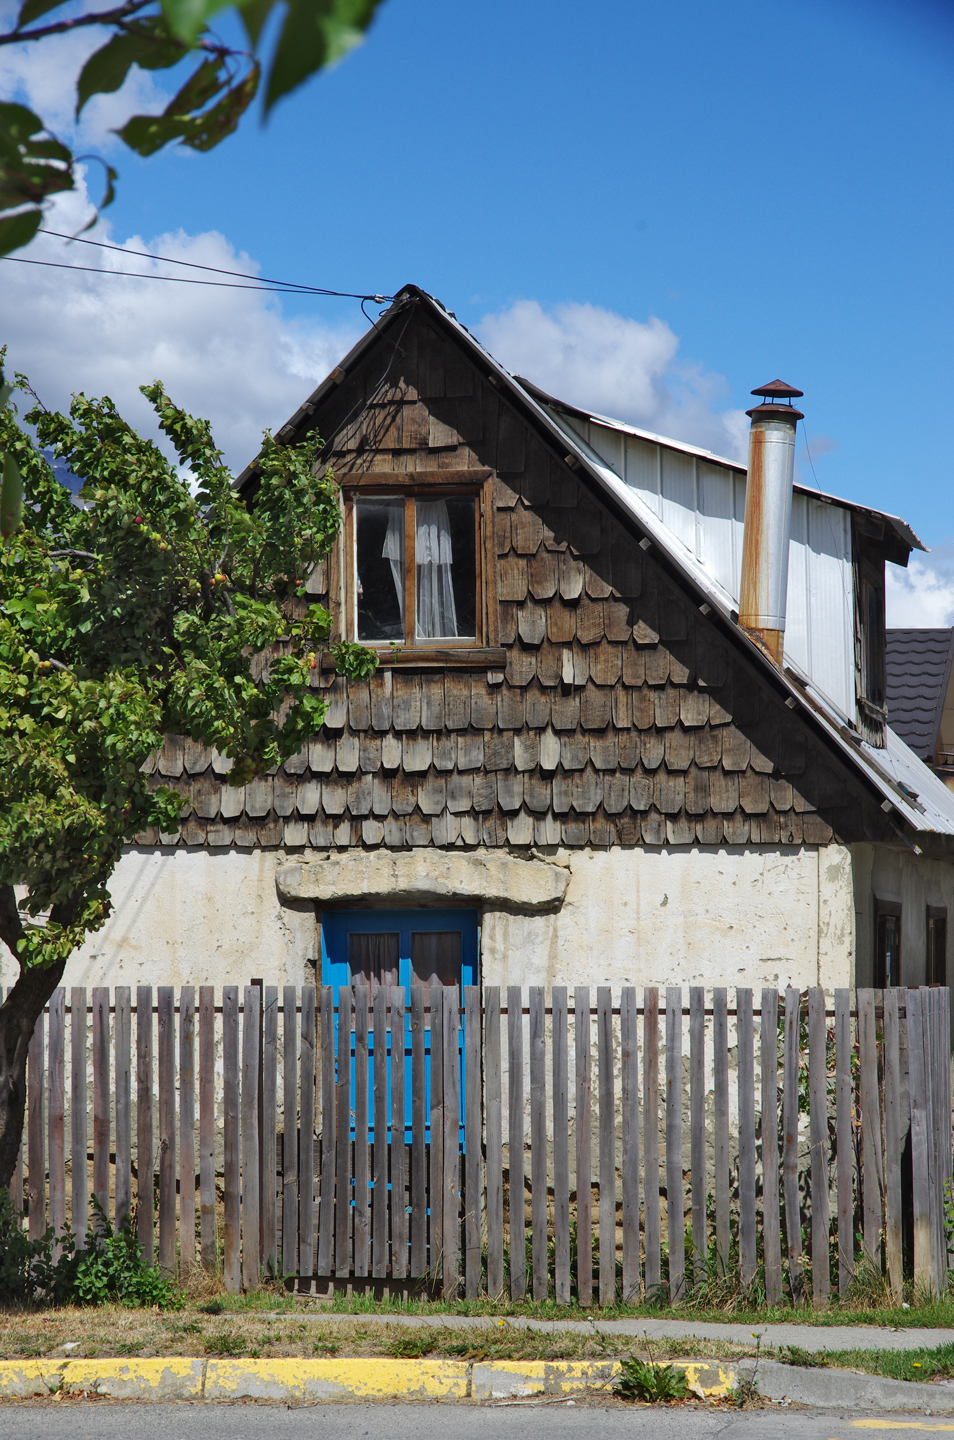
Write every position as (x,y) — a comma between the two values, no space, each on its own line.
(134,614)
(220,84)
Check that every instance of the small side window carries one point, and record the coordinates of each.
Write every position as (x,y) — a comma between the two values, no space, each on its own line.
(887,966)
(936,969)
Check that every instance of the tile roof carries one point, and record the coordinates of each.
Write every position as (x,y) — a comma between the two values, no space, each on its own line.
(918,672)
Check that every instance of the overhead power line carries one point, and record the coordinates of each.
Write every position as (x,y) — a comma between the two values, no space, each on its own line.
(280,287)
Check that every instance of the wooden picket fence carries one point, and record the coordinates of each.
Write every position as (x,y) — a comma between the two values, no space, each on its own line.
(466,1160)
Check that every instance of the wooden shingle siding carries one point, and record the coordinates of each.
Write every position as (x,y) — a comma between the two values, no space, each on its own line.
(622,715)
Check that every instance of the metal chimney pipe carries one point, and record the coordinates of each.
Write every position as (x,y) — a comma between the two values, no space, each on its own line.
(768,516)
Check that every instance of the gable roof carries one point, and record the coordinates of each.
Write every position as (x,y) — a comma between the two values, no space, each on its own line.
(909,792)
(918,674)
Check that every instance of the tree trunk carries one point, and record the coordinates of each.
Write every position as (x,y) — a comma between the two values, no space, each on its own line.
(18,1016)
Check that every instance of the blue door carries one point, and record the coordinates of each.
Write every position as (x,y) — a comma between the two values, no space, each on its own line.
(400,947)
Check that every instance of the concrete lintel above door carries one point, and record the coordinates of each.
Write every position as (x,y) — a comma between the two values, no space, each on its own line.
(426,877)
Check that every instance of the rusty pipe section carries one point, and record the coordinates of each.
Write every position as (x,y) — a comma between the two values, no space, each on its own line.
(768,517)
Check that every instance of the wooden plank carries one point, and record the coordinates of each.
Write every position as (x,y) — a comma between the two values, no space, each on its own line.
(652,1223)
(494,1123)
(231,1140)
(451,1156)
(516,1212)
(418,1127)
(362,1212)
(629,1084)
(932,1049)
(538,1143)
(268,1139)
(844,1105)
(207,1235)
(343,1136)
(607,1131)
(771,1220)
(122,1054)
(745,1041)
(289,1130)
(399,1197)
(926,996)
(561,1147)
(306,1134)
(57,1114)
(793,1227)
(818,1133)
(893,1229)
(100,1004)
(675,1199)
(870,1124)
(584,1169)
(920,1139)
(145,1154)
(251,1153)
(473,1111)
(720,1105)
(166,1047)
(379,1215)
(186,1128)
(697,1129)
(436,1151)
(36,1147)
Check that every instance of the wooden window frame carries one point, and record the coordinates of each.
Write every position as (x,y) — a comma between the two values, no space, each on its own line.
(883,909)
(936,914)
(481,652)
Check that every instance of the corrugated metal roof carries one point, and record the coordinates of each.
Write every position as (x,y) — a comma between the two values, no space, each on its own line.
(918,674)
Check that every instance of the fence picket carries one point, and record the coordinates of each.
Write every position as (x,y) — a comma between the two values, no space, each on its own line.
(538,1144)
(516,1211)
(379,1173)
(343,1136)
(494,1123)
(36,1148)
(121,1065)
(268,1134)
(145,1154)
(418,1129)
(652,1221)
(584,1171)
(893,1229)
(231,1139)
(100,1002)
(843,1140)
(451,1151)
(697,1128)
(251,1152)
(166,1046)
(793,1224)
(675,1201)
(207,1236)
(720,1105)
(870,1124)
(57,1111)
(436,1175)
(473,1210)
(745,1040)
(629,1085)
(607,1120)
(308,1067)
(186,1126)
(818,1132)
(771,1225)
(399,1255)
(290,1256)
(920,1122)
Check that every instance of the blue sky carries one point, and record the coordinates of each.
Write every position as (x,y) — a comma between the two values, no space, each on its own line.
(653,207)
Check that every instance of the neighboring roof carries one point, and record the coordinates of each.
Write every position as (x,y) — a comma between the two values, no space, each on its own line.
(910,791)
(918,672)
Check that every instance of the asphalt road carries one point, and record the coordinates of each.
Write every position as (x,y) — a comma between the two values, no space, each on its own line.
(76,1420)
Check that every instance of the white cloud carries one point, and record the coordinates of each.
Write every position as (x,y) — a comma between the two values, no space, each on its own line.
(228,355)
(624,368)
(920,597)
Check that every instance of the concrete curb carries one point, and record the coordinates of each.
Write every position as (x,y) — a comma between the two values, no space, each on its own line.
(185,1378)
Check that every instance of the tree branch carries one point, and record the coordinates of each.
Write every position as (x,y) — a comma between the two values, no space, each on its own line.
(96,17)
(83,554)
(11,926)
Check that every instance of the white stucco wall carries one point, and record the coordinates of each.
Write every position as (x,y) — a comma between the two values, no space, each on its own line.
(726,916)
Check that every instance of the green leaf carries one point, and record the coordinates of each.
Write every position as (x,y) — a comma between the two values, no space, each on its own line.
(148,133)
(147,45)
(316,33)
(198,90)
(32,10)
(254,13)
(18,230)
(187,18)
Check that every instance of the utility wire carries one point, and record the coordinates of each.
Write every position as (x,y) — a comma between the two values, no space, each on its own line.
(258,282)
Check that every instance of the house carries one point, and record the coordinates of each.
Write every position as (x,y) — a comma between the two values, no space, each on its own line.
(627,728)
(921,696)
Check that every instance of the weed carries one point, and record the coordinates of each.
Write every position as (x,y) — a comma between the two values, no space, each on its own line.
(224,1343)
(795,1355)
(655,1384)
(326,1346)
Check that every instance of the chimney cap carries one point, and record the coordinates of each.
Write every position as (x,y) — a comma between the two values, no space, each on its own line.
(777,390)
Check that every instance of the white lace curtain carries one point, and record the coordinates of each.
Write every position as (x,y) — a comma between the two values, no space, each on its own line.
(436,611)
(394,549)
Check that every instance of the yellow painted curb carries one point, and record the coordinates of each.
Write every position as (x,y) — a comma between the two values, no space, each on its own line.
(161,1379)
(709,1382)
(337,1379)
